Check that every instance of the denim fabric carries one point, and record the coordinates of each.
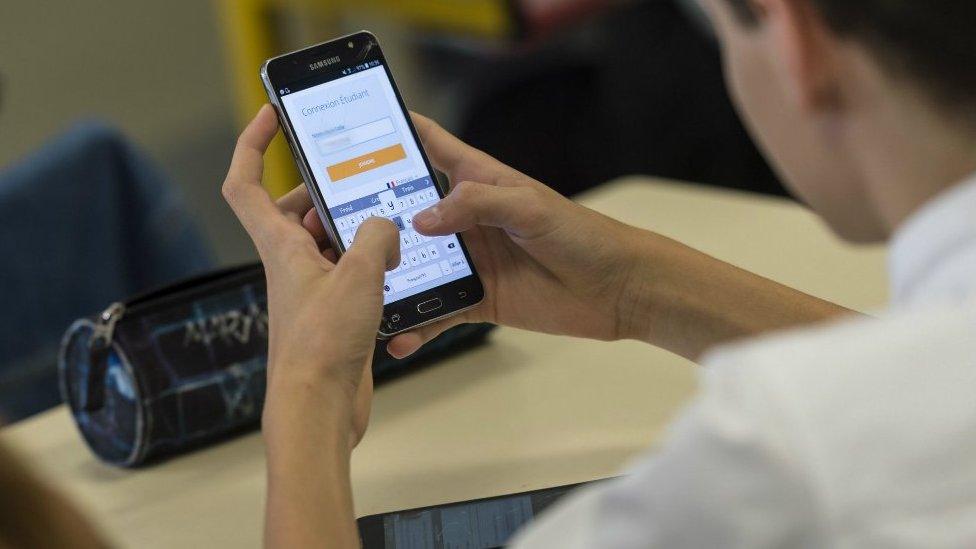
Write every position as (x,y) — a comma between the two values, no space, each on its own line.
(87,220)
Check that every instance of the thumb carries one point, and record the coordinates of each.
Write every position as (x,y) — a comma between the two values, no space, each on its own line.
(520,211)
(375,249)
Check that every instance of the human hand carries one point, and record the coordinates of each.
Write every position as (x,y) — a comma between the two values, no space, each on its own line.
(323,314)
(547,263)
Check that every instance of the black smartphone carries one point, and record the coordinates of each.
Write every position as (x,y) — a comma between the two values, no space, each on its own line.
(478,524)
(359,154)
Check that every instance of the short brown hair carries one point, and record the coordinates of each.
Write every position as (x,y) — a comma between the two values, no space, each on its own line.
(32,514)
(932,42)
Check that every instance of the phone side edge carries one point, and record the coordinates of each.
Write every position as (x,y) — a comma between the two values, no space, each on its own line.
(293,145)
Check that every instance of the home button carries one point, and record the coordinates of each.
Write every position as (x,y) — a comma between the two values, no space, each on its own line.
(430,305)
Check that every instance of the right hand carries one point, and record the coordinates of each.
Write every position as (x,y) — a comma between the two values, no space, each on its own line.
(547,263)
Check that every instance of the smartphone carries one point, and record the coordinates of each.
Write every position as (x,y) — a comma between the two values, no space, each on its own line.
(478,524)
(359,155)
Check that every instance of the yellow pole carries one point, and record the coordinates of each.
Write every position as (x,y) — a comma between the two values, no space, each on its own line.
(249,35)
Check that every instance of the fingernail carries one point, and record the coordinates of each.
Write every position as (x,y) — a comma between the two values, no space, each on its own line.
(428,217)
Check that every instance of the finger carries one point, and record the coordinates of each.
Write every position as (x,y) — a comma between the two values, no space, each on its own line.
(313,224)
(375,249)
(455,157)
(446,151)
(404,345)
(517,210)
(299,202)
(296,201)
(242,188)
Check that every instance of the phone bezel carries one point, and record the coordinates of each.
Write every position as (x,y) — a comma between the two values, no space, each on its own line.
(457,296)
(371,530)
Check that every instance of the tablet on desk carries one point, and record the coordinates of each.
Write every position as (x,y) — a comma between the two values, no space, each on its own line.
(477,524)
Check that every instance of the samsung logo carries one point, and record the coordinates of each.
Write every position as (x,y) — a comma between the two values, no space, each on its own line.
(323,63)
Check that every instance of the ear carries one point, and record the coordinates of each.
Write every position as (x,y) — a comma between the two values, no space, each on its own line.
(804,47)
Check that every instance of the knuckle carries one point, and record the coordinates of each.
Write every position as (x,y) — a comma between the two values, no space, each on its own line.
(466,191)
(531,203)
(229,190)
(357,260)
(533,193)
(242,141)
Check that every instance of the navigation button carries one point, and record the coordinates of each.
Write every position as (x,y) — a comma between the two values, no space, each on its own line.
(430,305)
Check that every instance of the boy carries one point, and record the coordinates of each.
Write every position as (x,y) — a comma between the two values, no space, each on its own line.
(845,432)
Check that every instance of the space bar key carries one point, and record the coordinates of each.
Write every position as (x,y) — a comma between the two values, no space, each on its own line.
(415,278)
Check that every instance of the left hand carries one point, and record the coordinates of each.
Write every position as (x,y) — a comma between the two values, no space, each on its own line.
(323,315)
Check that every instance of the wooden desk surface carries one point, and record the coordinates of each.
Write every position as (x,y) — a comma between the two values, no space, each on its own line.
(523,412)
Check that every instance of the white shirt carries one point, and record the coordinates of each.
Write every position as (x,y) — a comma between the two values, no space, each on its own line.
(855,434)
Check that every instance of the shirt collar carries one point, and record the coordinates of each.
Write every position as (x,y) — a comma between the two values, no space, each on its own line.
(933,253)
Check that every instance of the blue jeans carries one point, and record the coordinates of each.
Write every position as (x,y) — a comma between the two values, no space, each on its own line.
(87,220)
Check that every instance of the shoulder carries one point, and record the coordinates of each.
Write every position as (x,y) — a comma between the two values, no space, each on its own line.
(863,401)
(858,364)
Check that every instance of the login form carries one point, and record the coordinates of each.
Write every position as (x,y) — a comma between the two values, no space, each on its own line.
(366,163)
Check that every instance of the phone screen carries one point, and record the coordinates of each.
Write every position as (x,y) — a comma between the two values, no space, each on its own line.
(480,524)
(365,162)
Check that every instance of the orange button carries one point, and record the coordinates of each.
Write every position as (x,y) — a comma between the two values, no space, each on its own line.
(366,162)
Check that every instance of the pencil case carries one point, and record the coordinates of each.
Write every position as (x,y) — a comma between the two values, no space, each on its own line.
(184,366)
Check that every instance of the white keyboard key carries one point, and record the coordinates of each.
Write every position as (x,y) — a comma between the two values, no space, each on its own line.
(451,244)
(401,204)
(457,262)
(347,240)
(424,255)
(404,261)
(353,222)
(405,240)
(389,200)
(433,252)
(342,223)
(414,258)
(445,267)
(411,201)
(417,239)
(420,276)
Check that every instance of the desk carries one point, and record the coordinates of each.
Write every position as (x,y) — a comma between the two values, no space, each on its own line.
(522,412)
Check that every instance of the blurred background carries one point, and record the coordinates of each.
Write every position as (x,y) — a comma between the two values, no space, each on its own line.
(117,120)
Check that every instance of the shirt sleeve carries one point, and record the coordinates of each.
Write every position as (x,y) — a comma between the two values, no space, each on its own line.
(730,473)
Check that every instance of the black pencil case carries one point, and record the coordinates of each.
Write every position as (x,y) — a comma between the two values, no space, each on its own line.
(184,366)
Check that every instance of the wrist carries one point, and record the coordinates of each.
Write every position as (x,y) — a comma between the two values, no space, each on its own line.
(300,414)
(644,259)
